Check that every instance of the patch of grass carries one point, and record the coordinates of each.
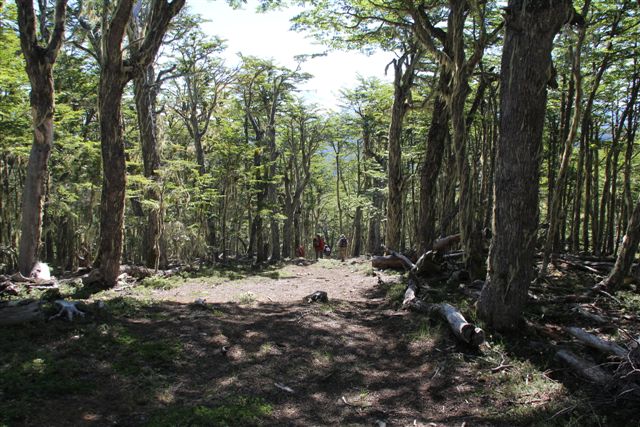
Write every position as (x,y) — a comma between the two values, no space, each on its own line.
(265,349)
(134,354)
(527,395)
(234,412)
(329,307)
(31,375)
(246,298)
(156,282)
(423,331)
(218,273)
(44,376)
(130,307)
(274,275)
(630,301)
(395,292)
(323,357)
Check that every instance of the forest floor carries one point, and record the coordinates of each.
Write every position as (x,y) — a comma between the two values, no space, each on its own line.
(255,354)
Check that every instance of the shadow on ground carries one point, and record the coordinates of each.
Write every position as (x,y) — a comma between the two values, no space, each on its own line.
(341,363)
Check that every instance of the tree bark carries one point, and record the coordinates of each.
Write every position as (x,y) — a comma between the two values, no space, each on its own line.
(526,60)
(114,75)
(554,220)
(627,252)
(404,72)
(435,144)
(145,92)
(39,65)
(597,343)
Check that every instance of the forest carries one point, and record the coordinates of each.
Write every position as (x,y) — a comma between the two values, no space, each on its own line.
(158,207)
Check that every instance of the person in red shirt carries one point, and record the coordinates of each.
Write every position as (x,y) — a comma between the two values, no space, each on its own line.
(318,246)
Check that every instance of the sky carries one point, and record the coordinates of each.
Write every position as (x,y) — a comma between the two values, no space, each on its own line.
(267,35)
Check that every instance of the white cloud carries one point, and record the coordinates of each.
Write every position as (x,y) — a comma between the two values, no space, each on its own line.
(267,35)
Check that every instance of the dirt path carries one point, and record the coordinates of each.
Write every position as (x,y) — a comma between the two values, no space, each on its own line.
(354,361)
(344,281)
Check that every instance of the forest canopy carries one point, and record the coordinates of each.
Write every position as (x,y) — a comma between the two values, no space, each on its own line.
(161,153)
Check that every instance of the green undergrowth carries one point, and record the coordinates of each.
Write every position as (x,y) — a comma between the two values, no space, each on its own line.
(85,359)
(394,292)
(241,410)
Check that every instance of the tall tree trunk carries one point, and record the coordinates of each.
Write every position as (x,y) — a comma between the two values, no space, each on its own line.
(374,237)
(430,169)
(404,71)
(630,137)
(39,65)
(145,92)
(595,221)
(577,200)
(526,60)
(288,232)
(272,197)
(449,210)
(587,192)
(356,241)
(112,82)
(114,75)
(611,220)
(627,252)
(554,220)
(462,69)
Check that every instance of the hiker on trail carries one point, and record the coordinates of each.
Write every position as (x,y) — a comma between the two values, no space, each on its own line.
(327,251)
(318,246)
(342,247)
(300,251)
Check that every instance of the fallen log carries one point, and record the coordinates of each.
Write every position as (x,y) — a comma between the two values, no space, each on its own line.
(8,288)
(429,263)
(444,244)
(580,266)
(15,312)
(586,369)
(591,316)
(590,258)
(593,341)
(138,271)
(384,262)
(93,277)
(394,260)
(408,264)
(453,255)
(411,294)
(463,330)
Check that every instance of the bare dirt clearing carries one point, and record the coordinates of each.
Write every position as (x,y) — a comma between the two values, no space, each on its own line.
(346,281)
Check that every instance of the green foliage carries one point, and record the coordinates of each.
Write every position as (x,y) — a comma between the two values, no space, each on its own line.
(246,298)
(156,282)
(395,292)
(240,410)
(15,121)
